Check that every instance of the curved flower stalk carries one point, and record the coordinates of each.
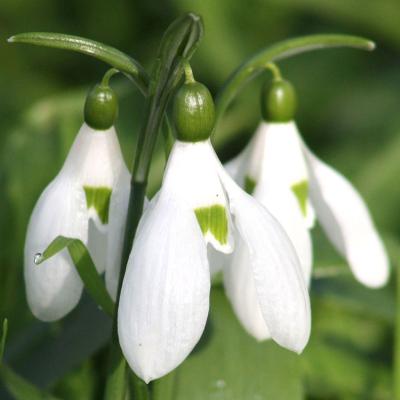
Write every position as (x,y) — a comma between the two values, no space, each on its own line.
(164,300)
(75,204)
(283,174)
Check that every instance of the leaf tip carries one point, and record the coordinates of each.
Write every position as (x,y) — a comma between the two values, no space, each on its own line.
(11,39)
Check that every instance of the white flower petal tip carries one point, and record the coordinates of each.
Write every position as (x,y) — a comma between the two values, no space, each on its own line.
(165,294)
(54,287)
(347,222)
(279,283)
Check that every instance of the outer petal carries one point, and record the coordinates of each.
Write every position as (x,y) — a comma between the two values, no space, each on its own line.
(54,287)
(241,291)
(347,222)
(165,294)
(280,287)
(116,230)
(283,205)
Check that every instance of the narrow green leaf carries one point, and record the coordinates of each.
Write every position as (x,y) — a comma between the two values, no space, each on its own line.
(15,384)
(20,388)
(85,267)
(3,339)
(103,52)
(287,48)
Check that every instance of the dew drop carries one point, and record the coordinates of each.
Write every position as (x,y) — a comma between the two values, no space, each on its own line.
(37,258)
(220,384)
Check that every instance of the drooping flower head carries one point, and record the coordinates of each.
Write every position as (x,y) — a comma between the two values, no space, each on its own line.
(75,204)
(165,294)
(284,175)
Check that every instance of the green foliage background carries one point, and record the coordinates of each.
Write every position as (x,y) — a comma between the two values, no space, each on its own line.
(348,114)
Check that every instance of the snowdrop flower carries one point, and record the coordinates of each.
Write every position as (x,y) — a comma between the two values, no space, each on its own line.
(284,175)
(165,294)
(75,204)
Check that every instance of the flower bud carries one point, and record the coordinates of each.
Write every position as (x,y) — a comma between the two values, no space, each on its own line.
(278,101)
(101,107)
(193,112)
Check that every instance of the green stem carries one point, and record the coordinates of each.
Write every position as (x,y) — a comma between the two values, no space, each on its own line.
(108,75)
(178,44)
(396,377)
(189,78)
(256,64)
(276,73)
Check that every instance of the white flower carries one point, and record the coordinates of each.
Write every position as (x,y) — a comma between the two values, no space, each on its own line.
(165,294)
(74,204)
(295,186)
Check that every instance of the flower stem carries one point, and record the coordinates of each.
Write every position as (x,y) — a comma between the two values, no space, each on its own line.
(107,76)
(276,73)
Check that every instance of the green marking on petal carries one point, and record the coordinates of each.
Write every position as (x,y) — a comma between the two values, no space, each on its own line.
(213,219)
(249,184)
(99,199)
(300,190)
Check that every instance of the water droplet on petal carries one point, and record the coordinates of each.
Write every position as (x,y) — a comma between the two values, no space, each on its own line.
(37,258)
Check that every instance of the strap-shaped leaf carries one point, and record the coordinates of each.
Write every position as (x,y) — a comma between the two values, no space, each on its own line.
(85,267)
(20,388)
(103,52)
(287,48)
(15,384)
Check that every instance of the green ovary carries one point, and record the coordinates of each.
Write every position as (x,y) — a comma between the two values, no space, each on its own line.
(213,219)
(300,190)
(99,199)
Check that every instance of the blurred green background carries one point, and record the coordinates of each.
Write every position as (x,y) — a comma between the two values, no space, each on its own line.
(348,114)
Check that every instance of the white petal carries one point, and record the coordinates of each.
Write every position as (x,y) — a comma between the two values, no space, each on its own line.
(282,204)
(116,230)
(217,260)
(241,291)
(191,176)
(54,287)
(281,290)
(347,222)
(165,294)
(95,157)
(236,167)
